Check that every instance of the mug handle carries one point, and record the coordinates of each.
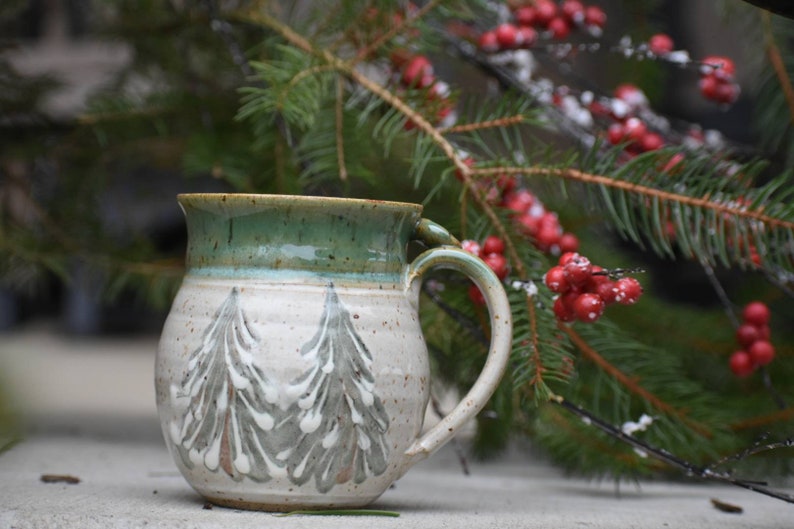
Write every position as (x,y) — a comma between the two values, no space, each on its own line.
(449,255)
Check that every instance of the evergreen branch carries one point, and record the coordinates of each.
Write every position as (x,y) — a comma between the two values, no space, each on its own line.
(537,378)
(779,416)
(628,382)
(660,454)
(651,192)
(773,52)
(492,123)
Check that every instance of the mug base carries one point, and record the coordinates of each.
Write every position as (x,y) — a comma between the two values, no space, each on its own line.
(289,504)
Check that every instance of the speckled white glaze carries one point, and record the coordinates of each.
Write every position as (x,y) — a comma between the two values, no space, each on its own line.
(301,380)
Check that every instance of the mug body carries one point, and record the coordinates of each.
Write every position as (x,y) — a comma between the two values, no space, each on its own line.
(291,371)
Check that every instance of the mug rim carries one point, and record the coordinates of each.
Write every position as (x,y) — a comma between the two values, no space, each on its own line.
(264,198)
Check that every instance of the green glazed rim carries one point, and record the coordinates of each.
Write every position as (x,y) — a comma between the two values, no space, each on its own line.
(220,201)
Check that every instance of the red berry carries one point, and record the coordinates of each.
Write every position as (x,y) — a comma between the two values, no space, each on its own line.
(608,291)
(741,364)
(588,307)
(727,93)
(596,276)
(545,10)
(498,263)
(578,270)
(747,334)
(634,129)
(708,87)
(568,243)
(673,162)
(418,71)
(632,95)
(527,36)
(473,247)
(519,201)
(559,28)
(651,141)
(476,296)
(507,35)
(547,236)
(629,290)
(660,44)
(761,352)
(488,42)
(573,11)
(566,258)
(493,244)
(615,133)
(595,16)
(555,280)
(526,15)
(528,225)
(756,313)
(717,66)
(563,311)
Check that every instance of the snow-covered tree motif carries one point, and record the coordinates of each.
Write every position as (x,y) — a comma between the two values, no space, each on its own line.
(338,422)
(231,419)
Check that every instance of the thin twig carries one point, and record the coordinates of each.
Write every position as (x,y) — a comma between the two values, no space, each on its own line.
(721,294)
(464,463)
(460,318)
(660,454)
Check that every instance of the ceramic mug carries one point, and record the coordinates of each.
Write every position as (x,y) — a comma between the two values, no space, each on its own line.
(292,372)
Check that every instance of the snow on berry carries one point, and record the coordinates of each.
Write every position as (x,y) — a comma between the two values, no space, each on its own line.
(588,307)
(608,291)
(578,270)
(660,44)
(555,280)
(629,290)
(471,246)
(573,11)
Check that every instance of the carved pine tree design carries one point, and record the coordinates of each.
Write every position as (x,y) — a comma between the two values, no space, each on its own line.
(232,415)
(338,422)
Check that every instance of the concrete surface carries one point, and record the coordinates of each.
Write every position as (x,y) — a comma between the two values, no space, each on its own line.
(90,414)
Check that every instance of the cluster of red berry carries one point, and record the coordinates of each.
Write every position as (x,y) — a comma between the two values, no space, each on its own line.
(416,71)
(545,17)
(491,251)
(540,225)
(585,290)
(753,337)
(716,80)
